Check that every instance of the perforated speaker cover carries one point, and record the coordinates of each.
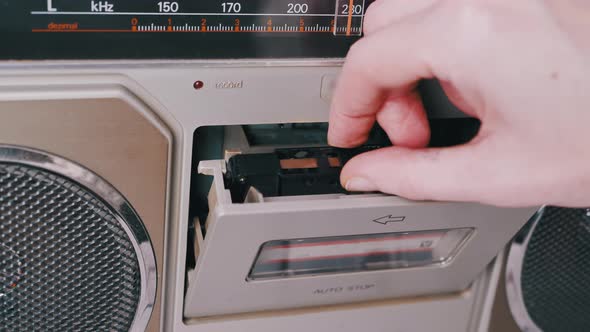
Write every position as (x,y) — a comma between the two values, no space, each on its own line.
(548,272)
(69,260)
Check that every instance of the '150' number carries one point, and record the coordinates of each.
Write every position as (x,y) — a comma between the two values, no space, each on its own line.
(168,7)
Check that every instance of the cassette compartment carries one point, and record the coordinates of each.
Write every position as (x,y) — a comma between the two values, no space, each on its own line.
(296,244)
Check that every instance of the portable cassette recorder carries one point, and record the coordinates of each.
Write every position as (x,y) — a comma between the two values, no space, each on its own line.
(164,166)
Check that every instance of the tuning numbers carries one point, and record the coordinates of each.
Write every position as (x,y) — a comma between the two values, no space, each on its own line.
(168,7)
(231,7)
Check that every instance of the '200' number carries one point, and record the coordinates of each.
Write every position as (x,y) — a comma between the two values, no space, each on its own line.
(297,8)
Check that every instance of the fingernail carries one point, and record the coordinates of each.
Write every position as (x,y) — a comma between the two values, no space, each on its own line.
(359,184)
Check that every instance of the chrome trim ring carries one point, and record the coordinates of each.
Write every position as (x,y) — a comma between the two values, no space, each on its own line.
(513,275)
(122,210)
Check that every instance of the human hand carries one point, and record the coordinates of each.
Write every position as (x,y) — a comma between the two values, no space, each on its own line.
(521,67)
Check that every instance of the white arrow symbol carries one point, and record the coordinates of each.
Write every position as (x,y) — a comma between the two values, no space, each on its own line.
(390,218)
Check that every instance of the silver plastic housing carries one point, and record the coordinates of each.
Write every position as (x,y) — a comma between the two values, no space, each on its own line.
(235,233)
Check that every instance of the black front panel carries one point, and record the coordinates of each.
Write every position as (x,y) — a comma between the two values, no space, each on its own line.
(150,29)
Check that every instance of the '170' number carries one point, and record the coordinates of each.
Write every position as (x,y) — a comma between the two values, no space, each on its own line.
(231,7)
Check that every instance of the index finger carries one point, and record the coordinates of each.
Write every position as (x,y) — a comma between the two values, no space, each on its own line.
(388,62)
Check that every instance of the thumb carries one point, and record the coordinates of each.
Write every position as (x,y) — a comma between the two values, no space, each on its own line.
(444,174)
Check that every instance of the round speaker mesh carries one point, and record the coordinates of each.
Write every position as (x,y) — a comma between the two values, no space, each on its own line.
(555,276)
(66,264)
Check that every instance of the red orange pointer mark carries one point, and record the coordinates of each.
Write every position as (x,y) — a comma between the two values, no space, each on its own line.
(349,23)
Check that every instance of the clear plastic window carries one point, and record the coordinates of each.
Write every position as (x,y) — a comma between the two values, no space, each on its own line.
(356,253)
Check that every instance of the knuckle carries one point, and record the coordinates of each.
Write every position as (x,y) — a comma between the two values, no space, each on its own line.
(410,190)
(357,57)
(468,32)
(474,18)
(356,51)
(406,183)
(371,17)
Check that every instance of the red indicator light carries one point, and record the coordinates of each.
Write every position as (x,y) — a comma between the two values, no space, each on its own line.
(198,85)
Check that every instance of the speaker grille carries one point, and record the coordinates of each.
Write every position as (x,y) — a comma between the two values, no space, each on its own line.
(555,276)
(66,263)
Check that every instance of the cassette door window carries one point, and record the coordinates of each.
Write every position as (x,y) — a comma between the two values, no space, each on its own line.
(356,253)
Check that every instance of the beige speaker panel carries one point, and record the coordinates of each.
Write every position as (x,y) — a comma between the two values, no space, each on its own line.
(116,138)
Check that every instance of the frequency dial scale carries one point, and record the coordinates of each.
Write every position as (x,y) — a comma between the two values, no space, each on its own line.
(168,29)
(337,17)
